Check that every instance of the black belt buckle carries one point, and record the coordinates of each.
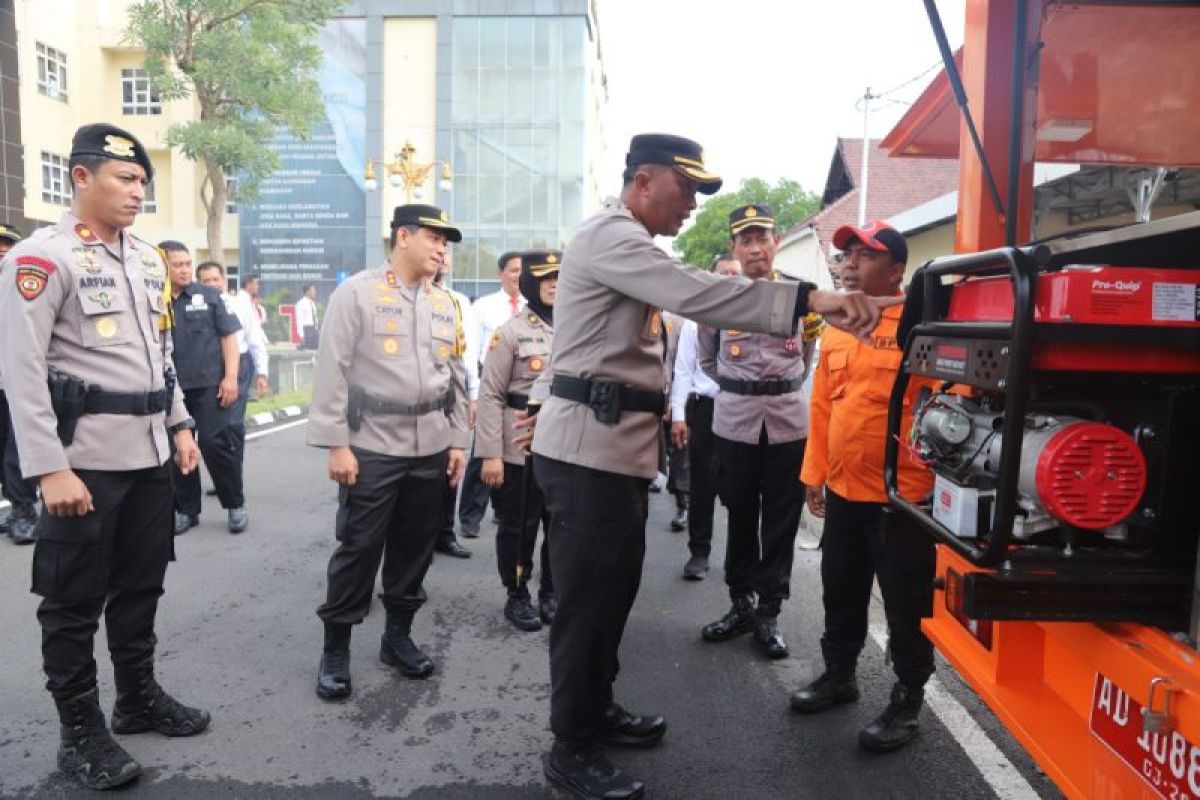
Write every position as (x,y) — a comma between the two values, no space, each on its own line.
(604,398)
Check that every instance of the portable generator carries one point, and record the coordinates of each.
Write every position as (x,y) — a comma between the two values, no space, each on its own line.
(1065,435)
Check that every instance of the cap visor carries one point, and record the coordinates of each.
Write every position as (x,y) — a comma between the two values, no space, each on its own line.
(453,234)
(543,270)
(744,224)
(709,183)
(843,236)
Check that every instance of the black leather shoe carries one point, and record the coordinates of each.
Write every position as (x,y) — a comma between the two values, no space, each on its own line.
(832,688)
(470,533)
(143,706)
(768,637)
(519,611)
(397,648)
(453,548)
(584,772)
(185,522)
(738,620)
(22,524)
(696,568)
(333,676)
(239,519)
(897,725)
(88,753)
(679,521)
(547,608)
(623,729)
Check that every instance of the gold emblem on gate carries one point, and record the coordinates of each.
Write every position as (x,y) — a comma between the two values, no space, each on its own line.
(106,327)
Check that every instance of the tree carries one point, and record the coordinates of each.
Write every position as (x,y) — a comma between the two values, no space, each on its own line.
(709,233)
(251,66)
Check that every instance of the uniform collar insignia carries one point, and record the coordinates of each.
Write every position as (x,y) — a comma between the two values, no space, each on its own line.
(86,234)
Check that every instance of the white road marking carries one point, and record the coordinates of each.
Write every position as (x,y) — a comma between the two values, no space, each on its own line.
(278,429)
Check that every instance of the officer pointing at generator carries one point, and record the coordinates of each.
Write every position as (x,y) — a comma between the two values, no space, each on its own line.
(87,369)
(595,444)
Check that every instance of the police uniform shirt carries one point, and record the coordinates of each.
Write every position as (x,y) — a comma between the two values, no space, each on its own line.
(614,282)
(201,320)
(518,353)
(70,302)
(398,346)
(745,356)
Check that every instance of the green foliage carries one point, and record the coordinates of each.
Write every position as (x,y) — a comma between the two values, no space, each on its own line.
(250,66)
(709,233)
(277,329)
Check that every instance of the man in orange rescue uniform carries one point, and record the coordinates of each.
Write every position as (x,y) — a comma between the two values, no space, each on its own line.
(843,470)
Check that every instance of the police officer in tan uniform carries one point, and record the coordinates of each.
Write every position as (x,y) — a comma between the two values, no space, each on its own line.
(595,443)
(390,404)
(88,373)
(518,353)
(760,421)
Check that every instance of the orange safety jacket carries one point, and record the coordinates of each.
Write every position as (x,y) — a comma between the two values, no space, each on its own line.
(847,428)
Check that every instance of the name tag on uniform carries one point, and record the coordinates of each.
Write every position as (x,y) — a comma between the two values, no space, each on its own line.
(198,303)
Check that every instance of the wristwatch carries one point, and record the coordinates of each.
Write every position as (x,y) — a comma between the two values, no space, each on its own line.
(188,424)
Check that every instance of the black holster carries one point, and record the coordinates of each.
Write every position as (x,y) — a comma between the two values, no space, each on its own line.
(354,408)
(67,395)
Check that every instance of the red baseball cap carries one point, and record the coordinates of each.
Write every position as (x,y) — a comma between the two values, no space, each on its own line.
(875,235)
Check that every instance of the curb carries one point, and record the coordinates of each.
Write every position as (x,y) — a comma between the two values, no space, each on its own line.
(268,418)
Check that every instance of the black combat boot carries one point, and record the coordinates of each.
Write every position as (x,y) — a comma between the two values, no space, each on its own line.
(520,612)
(620,727)
(768,637)
(738,620)
(88,753)
(547,608)
(583,770)
(897,725)
(333,676)
(397,648)
(835,686)
(142,705)
(22,524)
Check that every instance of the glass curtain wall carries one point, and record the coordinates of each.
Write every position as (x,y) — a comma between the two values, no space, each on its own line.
(518,96)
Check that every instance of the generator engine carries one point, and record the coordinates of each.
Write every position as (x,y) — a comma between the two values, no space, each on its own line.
(1076,472)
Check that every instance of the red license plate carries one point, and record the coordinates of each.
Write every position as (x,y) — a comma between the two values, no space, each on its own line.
(1167,762)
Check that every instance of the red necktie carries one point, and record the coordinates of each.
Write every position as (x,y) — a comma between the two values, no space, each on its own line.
(512,301)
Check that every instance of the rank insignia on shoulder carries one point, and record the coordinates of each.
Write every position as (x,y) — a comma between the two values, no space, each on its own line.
(86,234)
(492,345)
(391,279)
(33,274)
(813,325)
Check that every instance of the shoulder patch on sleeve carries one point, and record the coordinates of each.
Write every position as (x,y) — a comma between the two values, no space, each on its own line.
(33,273)
(813,324)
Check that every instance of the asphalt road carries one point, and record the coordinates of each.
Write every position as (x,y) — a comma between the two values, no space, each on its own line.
(239,637)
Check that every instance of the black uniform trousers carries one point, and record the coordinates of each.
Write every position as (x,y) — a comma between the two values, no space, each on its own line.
(761,481)
(702,474)
(511,542)
(237,412)
(391,513)
(17,490)
(112,562)
(473,502)
(220,448)
(678,478)
(857,546)
(597,544)
(445,534)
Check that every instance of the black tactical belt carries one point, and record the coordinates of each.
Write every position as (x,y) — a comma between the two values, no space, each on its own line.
(517,400)
(97,401)
(769,387)
(607,398)
(375,405)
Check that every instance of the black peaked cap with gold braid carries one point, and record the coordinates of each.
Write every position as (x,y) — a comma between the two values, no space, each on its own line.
(426,217)
(541,263)
(686,156)
(755,215)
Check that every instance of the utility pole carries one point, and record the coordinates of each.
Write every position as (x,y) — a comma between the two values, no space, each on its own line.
(866,156)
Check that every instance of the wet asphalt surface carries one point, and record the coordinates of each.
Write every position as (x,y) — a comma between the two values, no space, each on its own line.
(239,637)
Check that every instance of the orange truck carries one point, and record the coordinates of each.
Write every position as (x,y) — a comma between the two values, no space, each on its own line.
(1064,432)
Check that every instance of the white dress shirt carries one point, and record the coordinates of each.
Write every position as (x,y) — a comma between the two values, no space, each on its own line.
(689,378)
(306,313)
(490,312)
(250,338)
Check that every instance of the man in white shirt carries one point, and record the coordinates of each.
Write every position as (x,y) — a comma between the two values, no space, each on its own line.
(252,361)
(306,318)
(489,313)
(692,396)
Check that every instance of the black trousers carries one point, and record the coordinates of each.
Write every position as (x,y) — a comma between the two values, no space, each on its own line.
(597,545)
(391,513)
(110,562)
(473,501)
(702,474)
(511,542)
(309,338)
(17,490)
(221,451)
(237,412)
(678,477)
(445,533)
(856,547)
(761,482)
